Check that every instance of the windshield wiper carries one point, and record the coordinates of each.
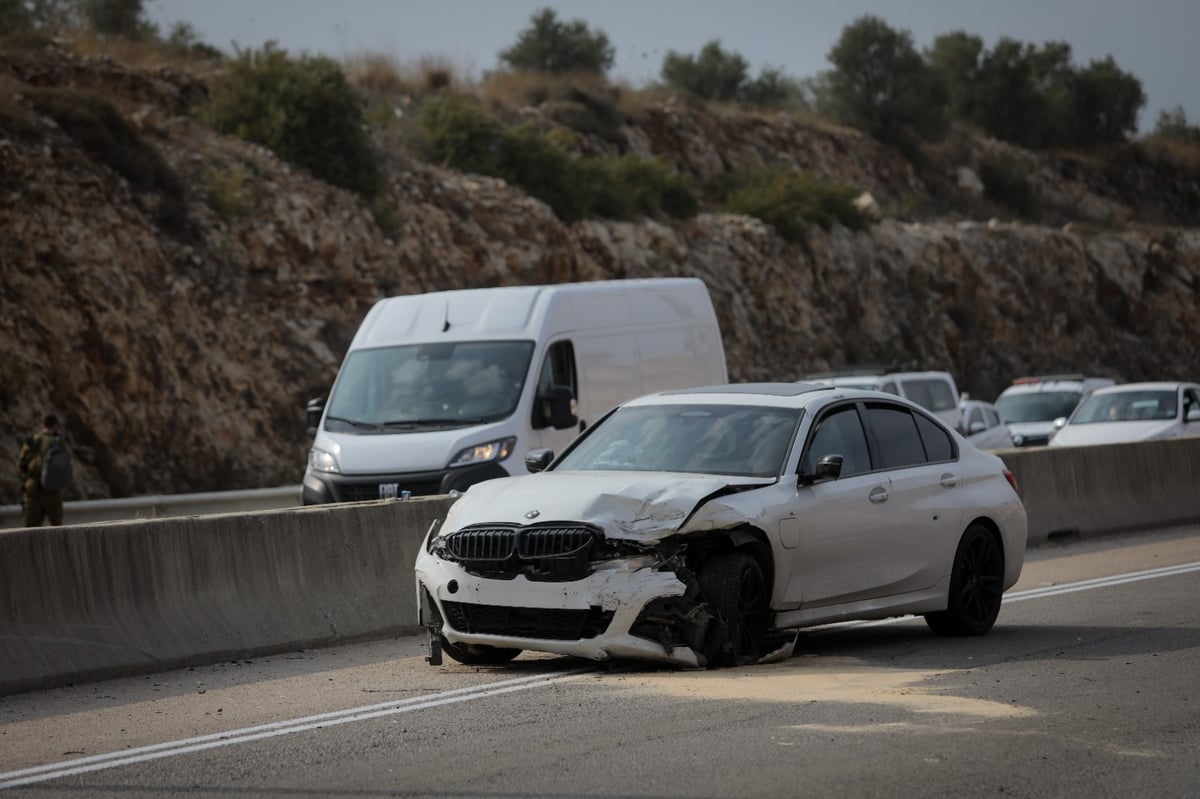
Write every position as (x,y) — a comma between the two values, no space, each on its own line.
(355,422)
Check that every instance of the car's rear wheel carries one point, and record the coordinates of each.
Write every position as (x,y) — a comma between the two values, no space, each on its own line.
(976,586)
(735,590)
(478,654)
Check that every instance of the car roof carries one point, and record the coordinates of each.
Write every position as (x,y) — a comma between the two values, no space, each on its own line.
(780,395)
(1032,385)
(1154,386)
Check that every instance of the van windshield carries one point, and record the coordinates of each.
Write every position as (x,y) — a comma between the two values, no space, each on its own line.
(418,386)
(1037,406)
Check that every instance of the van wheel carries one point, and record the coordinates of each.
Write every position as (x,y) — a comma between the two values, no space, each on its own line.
(976,586)
(478,654)
(735,590)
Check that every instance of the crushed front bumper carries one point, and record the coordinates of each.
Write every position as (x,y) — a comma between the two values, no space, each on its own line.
(589,618)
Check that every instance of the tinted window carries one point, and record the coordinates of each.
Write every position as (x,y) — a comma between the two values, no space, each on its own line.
(896,434)
(932,394)
(839,433)
(938,446)
(558,369)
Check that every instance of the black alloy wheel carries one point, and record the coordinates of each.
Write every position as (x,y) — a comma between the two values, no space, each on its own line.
(735,590)
(976,586)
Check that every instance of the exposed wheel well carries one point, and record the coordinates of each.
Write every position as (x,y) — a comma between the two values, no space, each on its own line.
(749,540)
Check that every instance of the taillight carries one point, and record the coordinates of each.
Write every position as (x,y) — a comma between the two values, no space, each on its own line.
(1012,481)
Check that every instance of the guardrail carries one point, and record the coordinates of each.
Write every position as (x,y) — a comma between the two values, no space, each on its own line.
(85,511)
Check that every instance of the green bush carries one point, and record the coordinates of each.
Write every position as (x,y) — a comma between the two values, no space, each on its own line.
(301,108)
(788,200)
(466,138)
(1006,182)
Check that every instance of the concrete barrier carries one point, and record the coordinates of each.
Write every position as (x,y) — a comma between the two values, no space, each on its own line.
(87,602)
(1110,488)
(82,603)
(158,505)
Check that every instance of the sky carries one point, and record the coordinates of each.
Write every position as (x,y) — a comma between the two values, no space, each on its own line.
(1155,40)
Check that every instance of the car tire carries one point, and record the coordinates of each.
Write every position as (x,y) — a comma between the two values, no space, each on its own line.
(736,592)
(478,654)
(976,586)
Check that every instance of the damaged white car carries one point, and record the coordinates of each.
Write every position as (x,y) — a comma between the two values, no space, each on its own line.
(705,527)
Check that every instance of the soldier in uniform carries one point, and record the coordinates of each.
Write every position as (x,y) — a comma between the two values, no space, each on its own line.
(36,502)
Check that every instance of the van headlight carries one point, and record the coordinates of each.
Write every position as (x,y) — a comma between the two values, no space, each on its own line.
(496,450)
(321,461)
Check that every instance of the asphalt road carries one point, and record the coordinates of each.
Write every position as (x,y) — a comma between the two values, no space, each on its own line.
(1087,687)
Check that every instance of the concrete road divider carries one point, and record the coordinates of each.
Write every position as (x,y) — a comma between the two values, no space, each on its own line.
(87,602)
(1109,488)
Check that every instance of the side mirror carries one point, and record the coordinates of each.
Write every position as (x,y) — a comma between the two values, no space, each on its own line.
(537,460)
(312,413)
(558,407)
(976,427)
(829,467)
(1060,423)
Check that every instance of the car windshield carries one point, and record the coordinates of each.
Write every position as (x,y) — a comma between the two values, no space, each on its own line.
(1127,406)
(392,389)
(1040,406)
(744,440)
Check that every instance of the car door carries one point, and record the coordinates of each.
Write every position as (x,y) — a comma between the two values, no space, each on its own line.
(921,460)
(832,534)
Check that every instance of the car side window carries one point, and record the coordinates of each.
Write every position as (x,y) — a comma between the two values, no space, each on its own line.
(839,433)
(897,436)
(993,418)
(976,415)
(890,388)
(938,445)
(558,369)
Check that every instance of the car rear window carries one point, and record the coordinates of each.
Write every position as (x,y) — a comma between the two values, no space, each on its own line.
(897,436)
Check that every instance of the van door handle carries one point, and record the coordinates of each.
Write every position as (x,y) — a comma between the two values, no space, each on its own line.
(949,480)
(878,495)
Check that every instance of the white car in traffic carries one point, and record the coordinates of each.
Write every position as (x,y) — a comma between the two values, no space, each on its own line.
(705,526)
(1133,412)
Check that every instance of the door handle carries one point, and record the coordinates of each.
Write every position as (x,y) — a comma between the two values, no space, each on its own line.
(878,495)
(949,480)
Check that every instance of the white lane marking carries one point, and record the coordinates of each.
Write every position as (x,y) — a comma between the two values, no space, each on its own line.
(1040,593)
(142,754)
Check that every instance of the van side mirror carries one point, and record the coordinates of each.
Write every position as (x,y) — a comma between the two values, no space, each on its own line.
(829,467)
(312,413)
(1060,423)
(557,406)
(537,460)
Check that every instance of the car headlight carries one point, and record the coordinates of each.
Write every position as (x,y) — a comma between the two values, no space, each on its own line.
(321,461)
(496,450)
(1018,439)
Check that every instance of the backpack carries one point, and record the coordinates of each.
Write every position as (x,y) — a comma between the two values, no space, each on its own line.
(56,466)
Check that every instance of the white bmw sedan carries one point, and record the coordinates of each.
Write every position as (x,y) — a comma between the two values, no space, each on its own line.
(704,527)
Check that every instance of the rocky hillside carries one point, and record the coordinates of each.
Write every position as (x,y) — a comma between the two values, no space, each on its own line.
(179,325)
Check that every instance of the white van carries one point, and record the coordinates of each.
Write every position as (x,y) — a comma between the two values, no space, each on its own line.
(934,391)
(1031,405)
(443,390)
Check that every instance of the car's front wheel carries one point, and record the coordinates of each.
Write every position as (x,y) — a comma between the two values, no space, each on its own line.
(976,586)
(735,590)
(478,654)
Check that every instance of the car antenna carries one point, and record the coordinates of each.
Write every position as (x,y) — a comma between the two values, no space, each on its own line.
(446,323)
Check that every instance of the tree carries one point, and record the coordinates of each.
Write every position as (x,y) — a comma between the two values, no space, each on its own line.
(1173,124)
(714,75)
(117,18)
(880,84)
(549,45)
(957,59)
(1104,104)
(1022,92)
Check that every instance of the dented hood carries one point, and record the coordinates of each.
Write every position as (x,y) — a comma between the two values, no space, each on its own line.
(634,505)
